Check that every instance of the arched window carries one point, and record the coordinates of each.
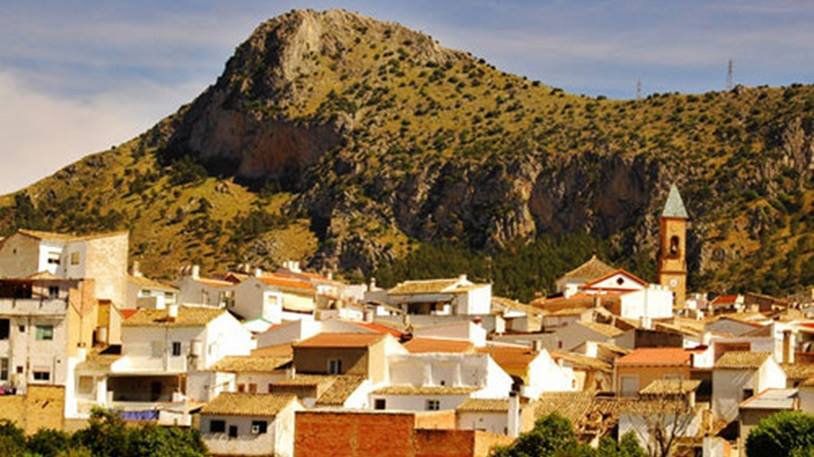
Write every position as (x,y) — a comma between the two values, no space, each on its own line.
(674,247)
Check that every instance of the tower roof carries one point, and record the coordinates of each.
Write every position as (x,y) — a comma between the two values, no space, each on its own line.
(674,206)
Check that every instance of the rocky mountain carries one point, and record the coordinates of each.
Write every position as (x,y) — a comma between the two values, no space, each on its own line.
(365,147)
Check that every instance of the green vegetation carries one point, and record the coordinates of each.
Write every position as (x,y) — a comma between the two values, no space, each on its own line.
(419,159)
(105,436)
(554,436)
(786,433)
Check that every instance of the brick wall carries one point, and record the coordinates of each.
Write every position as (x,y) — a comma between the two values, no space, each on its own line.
(41,407)
(324,434)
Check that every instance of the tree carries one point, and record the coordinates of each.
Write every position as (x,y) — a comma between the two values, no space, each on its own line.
(48,442)
(784,433)
(12,439)
(105,436)
(155,441)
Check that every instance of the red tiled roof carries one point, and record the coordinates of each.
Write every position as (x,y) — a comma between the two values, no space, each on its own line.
(724,300)
(127,312)
(284,282)
(656,357)
(340,340)
(379,328)
(581,300)
(423,345)
(214,282)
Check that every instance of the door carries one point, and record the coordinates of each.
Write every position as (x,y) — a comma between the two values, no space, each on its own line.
(233,431)
(155,390)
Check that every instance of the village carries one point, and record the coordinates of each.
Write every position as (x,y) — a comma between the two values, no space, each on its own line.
(296,363)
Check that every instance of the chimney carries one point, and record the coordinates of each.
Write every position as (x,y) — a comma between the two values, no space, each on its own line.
(196,272)
(462,278)
(372,286)
(788,346)
(591,349)
(537,345)
(172,311)
(136,271)
(513,421)
(646,323)
(258,272)
(330,275)
(368,315)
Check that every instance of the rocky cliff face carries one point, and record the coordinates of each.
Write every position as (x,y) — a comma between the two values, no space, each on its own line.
(381,140)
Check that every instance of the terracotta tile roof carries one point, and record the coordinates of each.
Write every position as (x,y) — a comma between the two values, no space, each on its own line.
(483,405)
(677,328)
(127,312)
(565,312)
(513,360)
(574,406)
(148,283)
(798,371)
(187,317)
(503,303)
(593,268)
(772,399)
(423,345)
(603,329)
(245,404)
(250,364)
(98,362)
(340,340)
(582,361)
(741,360)
(655,357)
(307,380)
(432,286)
(723,300)
(212,282)
(379,328)
(41,235)
(341,388)
(286,283)
(45,276)
(424,390)
(278,350)
(581,300)
(671,387)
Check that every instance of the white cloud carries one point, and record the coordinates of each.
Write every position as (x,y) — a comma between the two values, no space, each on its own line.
(42,132)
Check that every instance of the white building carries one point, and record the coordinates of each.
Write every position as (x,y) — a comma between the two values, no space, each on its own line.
(739,375)
(533,370)
(238,424)
(274,299)
(193,289)
(455,330)
(437,381)
(456,296)
(148,293)
(159,347)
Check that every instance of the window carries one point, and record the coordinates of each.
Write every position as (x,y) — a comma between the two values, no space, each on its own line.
(217,426)
(259,427)
(21,328)
(433,405)
(380,403)
(674,241)
(86,385)
(271,387)
(334,366)
(748,393)
(233,431)
(53,258)
(74,258)
(42,375)
(53,291)
(4,369)
(176,348)
(45,332)
(252,388)
(241,388)
(4,329)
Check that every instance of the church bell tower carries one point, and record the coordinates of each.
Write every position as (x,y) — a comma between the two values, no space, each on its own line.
(672,251)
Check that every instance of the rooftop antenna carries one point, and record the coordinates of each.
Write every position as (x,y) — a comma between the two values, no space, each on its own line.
(730,79)
(638,89)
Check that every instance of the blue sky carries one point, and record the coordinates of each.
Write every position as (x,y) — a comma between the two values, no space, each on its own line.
(79,76)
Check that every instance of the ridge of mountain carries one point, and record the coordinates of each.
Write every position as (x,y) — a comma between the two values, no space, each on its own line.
(366,147)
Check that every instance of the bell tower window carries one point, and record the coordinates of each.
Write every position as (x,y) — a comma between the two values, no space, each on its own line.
(674,246)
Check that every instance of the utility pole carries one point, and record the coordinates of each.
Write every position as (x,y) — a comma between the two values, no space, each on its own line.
(638,89)
(730,79)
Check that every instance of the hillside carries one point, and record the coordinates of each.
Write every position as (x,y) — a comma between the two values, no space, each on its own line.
(366,147)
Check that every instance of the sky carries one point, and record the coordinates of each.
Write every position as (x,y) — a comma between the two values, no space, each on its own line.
(77,77)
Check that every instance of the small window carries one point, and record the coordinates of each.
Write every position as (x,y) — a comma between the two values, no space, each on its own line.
(748,393)
(259,427)
(53,258)
(334,366)
(19,369)
(380,404)
(241,388)
(45,332)
(217,426)
(271,387)
(252,388)
(4,329)
(4,369)
(53,291)
(176,348)
(433,405)
(21,329)
(620,281)
(74,258)
(42,376)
